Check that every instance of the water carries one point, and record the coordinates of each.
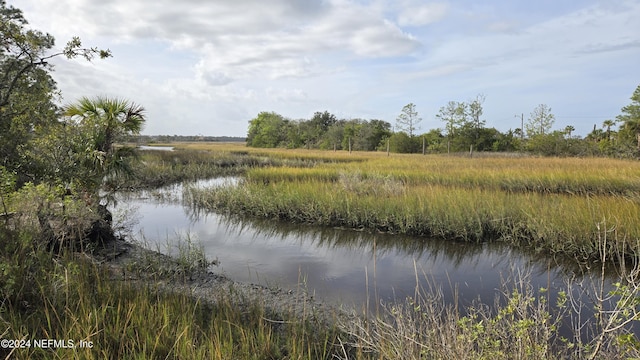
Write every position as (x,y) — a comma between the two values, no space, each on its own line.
(338,265)
(158,148)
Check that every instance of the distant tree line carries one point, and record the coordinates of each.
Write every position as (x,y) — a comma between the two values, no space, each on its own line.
(145,139)
(464,129)
(322,131)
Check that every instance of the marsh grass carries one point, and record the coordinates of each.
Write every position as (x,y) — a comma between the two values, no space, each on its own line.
(548,204)
(552,223)
(587,319)
(160,168)
(180,257)
(71,297)
(189,162)
(519,325)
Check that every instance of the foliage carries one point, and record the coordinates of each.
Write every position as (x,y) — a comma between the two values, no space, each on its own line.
(520,325)
(408,119)
(102,122)
(464,130)
(401,142)
(323,131)
(464,126)
(7,185)
(27,91)
(68,298)
(540,121)
(630,119)
(266,130)
(453,115)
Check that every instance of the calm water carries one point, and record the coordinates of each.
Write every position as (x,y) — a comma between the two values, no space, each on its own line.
(342,266)
(158,148)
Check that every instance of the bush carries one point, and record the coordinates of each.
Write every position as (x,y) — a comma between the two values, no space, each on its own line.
(402,143)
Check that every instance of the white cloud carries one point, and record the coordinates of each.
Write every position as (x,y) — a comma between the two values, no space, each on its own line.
(419,14)
(198,60)
(286,95)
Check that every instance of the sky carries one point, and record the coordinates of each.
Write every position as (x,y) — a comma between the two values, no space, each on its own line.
(207,67)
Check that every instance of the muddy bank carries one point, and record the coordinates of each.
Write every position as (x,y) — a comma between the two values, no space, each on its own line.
(126,261)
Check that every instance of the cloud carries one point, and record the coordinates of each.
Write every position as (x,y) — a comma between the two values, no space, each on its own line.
(502,26)
(286,95)
(421,14)
(595,48)
(203,59)
(442,70)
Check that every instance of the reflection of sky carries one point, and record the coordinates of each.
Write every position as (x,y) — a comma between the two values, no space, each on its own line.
(337,270)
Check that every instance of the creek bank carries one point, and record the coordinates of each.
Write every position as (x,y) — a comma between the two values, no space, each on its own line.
(127,261)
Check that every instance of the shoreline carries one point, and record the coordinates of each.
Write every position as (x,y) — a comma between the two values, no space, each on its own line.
(126,261)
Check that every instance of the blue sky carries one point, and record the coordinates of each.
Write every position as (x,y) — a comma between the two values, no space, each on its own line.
(208,67)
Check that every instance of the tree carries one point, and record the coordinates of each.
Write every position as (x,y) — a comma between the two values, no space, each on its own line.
(630,119)
(435,141)
(334,136)
(568,130)
(313,130)
(323,120)
(408,119)
(475,111)
(27,91)
(103,121)
(267,130)
(380,130)
(608,124)
(454,117)
(540,121)
(401,142)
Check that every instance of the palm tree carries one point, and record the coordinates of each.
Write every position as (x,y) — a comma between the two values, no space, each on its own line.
(105,121)
(608,124)
(596,135)
(569,129)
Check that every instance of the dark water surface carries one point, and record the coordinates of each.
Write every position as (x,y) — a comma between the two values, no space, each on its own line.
(338,265)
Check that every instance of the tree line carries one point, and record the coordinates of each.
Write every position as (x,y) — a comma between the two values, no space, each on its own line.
(464,129)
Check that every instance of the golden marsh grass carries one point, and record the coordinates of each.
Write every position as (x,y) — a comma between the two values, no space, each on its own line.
(550,204)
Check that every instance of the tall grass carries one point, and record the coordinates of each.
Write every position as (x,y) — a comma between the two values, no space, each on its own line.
(555,223)
(73,298)
(522,323)
(551,205)
(159,168)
